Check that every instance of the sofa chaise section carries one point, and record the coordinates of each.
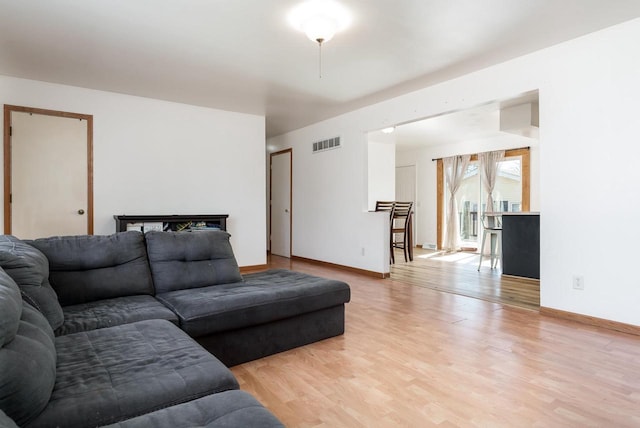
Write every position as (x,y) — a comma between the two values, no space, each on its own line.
(240,319)
(268,312)
(101,281)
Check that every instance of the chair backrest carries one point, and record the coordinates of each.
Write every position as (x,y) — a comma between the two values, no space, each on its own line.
(492,221)
(387,206)
(402,209)
(384,205)
(401,216)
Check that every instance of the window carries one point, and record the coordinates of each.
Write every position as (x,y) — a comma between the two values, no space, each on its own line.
(511,193)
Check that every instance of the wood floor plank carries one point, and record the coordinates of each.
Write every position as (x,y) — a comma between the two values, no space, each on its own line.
(458,273)
(417,357)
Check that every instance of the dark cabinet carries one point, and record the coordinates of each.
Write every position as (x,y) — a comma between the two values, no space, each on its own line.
(521,245)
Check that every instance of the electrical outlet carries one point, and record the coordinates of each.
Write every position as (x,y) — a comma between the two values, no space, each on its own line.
(578,282)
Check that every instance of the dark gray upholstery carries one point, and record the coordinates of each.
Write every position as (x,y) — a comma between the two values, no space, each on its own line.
(10,308)
(29,268)
(262,297)
(113,374)
(90,267)
(184,260)
(112,312)
(230,409)
(256,341)
(106,366)
(27,360)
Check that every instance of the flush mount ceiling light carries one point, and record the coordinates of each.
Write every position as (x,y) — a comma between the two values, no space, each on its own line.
(389,130)
(320,20)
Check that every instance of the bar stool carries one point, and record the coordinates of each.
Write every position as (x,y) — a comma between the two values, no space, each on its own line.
(493,227)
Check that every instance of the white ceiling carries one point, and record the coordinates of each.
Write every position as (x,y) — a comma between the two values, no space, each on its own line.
(242,55)
(478,123)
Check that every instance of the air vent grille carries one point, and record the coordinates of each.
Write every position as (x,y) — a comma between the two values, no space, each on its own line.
(328,144)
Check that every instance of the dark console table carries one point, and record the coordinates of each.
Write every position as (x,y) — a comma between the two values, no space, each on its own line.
(173,222)
(521,244)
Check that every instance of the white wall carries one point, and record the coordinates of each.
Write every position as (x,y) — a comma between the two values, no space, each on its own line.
(157,157)
(427,175)
(589,89)
(381,172)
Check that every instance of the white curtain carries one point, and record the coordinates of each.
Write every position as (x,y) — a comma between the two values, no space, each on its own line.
(489,172)
(454,169)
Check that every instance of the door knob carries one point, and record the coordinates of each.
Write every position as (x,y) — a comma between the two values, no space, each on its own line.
(80,211)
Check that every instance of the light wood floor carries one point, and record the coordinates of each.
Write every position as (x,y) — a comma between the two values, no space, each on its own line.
(458,273)
(416,357)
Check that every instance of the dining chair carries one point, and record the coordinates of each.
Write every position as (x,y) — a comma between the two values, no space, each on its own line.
(388,206)
(401,224)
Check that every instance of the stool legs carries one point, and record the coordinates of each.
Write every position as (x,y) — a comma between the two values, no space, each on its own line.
(495,255)
(494,238)
(484,236)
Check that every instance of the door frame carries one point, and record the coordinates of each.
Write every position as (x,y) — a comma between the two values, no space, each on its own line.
(281,152)
(8,109)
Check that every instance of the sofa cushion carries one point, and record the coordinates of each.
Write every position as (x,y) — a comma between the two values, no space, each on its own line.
(87,268)
(228,409)
(112,312)
(262,297)
(30,269)
(27,367)
(182,260)
(112,374)
(10,308)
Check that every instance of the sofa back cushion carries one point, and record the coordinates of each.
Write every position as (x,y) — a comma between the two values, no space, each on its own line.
(28,360)
(182,260)
(29,268)
(10,308)
(87,268)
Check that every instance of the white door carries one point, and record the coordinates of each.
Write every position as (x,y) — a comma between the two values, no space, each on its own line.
(281,204)
(49,175)
(406,190)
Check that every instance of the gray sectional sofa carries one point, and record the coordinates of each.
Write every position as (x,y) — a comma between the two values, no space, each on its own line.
(104,330)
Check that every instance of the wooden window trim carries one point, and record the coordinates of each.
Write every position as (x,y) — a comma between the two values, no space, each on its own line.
(526,186)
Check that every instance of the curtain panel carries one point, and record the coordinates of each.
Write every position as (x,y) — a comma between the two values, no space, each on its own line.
(454,169)
(489,173)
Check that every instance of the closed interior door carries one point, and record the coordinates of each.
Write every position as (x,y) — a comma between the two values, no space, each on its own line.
(49,175)
(281,204)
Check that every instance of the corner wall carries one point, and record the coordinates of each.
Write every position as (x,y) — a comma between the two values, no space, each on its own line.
(158,157)
(588,90)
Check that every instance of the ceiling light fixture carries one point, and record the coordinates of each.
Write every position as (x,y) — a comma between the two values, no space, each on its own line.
(389,130)
(320,20)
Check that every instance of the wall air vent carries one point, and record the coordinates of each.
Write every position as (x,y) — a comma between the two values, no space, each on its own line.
(328,144)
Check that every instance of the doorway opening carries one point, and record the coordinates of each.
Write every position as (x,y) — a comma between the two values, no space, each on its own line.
(509,124)
(280,203)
